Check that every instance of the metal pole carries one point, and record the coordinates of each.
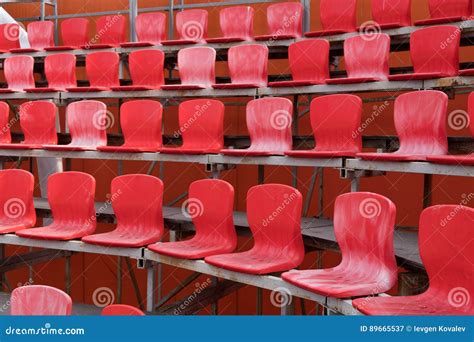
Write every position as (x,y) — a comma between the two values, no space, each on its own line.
(150,287)
(119,280)
(259,301)
(133,11)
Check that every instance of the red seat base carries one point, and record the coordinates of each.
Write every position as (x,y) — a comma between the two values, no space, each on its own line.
(128,149)
(97,46)
(418,76)
(8,229)
(118,239)
(236,85)
(180,42)
(61,48)
(7,91)
(294,83)
(189,249)
(42,90)
(52,233)
(20,146)
(275,37)
(247,152)
(467,160)
(466,72)
(86,89)
(225,40)
(179,150)
(352,80)
(325,33)
(183,87)
(69,148)
(436,21)
(320,154)
(391,157)
(24,50)
(137,44)
(132,88)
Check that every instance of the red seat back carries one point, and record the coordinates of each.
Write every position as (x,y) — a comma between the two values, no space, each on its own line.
(102,69)
(5,136)
(75,32)
(201,124)
(146,68)
(285,19)
(16,198)
(140,121)
(447,252)
(60,70)
(197,66)
(121,310)
(338,14)
(237,22)
(41,34)
(18,72)
(38,122)
(420,121)
(111,29)
(248,64)
(9,36)
(87,121)
(364,225)
(269,124)
(309,60)
(274,216)
(391,12)
(191,24)
(138,205)
(436,49)
(151,27)
(40,300)
(367,56)
(335,120)
(450,8)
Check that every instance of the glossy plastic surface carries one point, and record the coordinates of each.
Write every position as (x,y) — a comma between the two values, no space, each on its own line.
(447,11)
(150,28)
(138,207)
(389,14)
(236,24)
(269,125)
(285,21)
(447,251)
(309,63)
(210,205)
(111,32)
(196,67)
(87,121)
(247,67)
(9,37)
(274,215)
(74,33)
(337,16)
(121,310)
(40,300)
(366,59)
(60,70)
(191,26)
(420,120)
(201,126)
(140,121)
(71,198)
(5,135)
(146,70)
(434,53)
(335,120)
(16,200)
(18,72)
(364,225)
(40,36)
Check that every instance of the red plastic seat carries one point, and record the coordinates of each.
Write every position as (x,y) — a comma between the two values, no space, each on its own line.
(18,72)
(247,67)
(71,198)
(140,121)
(196,67)
(210,205)
(146,70)
(278,243)
(466,160)
(138,210)
(466,72)
(87,122)
(447,11)
(5,135)
(201,125)
(121,310)
(16,200)
(191,26)
(40,36)
(309,63)
(40,300)
(102,70)
(434,53)
(366,59)
(420,121)
(60,70)
(150,28)
(447,251)
(236,24)
(9,37)
(390,14)
(285,21)
(337,16)
(111,32)
(74,33)
(363,224)
(38,123)
(269,125)
(334,119)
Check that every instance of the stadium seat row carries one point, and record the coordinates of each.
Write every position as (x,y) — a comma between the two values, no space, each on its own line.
(284,22)
(420,120)
(363,224)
